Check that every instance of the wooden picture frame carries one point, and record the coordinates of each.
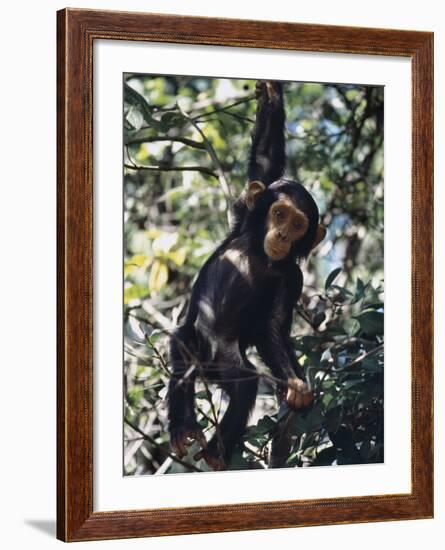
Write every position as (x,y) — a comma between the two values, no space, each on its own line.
(77,31)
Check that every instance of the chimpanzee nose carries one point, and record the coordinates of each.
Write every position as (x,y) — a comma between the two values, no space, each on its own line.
(282,236)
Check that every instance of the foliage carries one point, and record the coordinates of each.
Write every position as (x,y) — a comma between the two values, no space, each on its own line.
(186,146)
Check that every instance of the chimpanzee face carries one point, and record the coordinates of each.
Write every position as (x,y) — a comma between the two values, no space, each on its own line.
(285,224)
(291,218)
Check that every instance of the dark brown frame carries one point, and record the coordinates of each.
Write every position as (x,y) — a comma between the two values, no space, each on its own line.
(77,30)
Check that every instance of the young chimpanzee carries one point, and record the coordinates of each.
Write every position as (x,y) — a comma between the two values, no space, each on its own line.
(244,296)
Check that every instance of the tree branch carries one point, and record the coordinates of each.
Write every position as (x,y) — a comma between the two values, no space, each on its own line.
(219,169)
(173,169)
(185,141)
(352,363)
(156,444)
(226,108)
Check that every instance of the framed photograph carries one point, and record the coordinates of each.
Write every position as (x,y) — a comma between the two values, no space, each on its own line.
(245,260)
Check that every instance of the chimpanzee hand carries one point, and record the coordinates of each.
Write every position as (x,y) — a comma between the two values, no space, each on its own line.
(182,436)
(213,458)
(298,394)
(268,91)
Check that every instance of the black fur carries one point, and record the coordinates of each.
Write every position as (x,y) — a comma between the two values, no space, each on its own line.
(241,298)
(267,157)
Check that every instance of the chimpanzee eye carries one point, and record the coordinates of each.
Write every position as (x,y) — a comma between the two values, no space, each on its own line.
(297,225)
(278,214)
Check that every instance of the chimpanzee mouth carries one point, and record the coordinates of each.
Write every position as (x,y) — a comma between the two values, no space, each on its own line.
(276,253)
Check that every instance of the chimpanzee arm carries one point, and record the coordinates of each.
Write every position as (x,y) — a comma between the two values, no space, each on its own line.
(275,349)
(267,156)
(274,343)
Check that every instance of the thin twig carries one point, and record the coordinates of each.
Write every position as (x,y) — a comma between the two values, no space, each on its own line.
(305,317)
(186,141)
(215,365)
(203,118)
(161,319)
(219,169)
(245,99)
(202,169)
(156,444)
(360,358)
(157,355)
(352,363)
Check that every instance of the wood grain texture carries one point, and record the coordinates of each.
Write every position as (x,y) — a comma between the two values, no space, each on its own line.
(76,31)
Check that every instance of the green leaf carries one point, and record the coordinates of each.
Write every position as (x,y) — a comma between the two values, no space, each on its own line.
(326,356)
(333,418)
(309,421)
(331,277)
(314,419)
(158,276)
(203,422)
(318,319)
(178,256)
(371,322)
(134,292)
(171,120)
(360,287)
(372,364)
(135,99)
(238,460)
(264,425)
(365,449)
(343,291)
(348,384)
(135,118)
(376,305)
(326,457)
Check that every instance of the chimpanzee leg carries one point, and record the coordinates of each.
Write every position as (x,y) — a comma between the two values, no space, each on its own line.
(233,425)
(241,389)
(276,351)
(183,426)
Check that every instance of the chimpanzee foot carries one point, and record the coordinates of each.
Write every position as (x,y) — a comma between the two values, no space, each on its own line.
(213,458)
(184,435)
(298,394)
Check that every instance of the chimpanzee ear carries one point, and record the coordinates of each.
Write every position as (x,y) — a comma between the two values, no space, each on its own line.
(253,191)
(320,235)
